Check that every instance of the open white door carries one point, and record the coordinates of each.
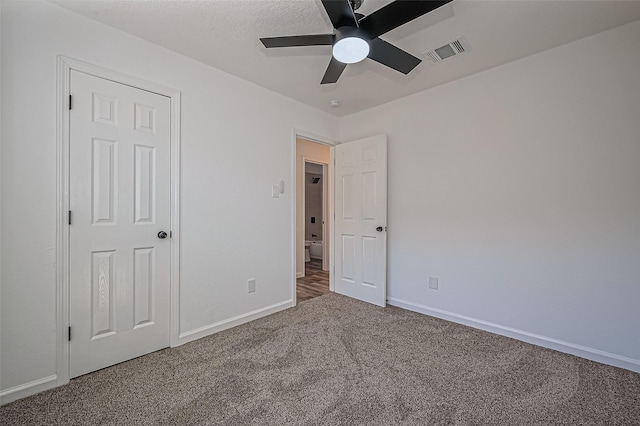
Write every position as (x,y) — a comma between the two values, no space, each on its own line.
(360,233)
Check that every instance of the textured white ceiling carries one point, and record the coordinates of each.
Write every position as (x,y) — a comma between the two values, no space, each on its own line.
(225,34)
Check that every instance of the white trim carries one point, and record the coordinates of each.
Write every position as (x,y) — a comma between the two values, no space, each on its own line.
(65,65)
(62,226)
(535,339)
(332,214)
(207,330)
(303,190)
(27,389)
(326,220)
(294,217)
(174,309)
(324,141)
(1,257)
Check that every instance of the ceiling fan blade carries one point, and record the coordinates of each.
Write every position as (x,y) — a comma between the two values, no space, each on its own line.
(301,40)
(333,72)
(392,56)
(396,14)
(340,13)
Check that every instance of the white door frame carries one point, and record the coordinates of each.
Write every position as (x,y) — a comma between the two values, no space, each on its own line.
(326,208)
(65,65)
(331,144)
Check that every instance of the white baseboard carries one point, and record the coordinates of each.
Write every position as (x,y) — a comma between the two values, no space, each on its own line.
(207,330)
(31,388)
(535,339)
(28,389)
(299,274)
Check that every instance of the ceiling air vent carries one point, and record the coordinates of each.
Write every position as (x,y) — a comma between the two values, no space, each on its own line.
(452,48)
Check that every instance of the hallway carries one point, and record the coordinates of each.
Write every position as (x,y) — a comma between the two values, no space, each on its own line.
(315,282)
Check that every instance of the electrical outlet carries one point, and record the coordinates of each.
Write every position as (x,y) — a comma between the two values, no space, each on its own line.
(251,285)
(433,282)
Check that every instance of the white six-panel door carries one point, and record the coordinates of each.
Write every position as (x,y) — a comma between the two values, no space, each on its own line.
(360,236)
(120,200)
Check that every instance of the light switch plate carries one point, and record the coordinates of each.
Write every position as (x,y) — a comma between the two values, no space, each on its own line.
(433,283)
(275,191)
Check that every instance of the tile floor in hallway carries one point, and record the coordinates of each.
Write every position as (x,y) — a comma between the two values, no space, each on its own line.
(315,282)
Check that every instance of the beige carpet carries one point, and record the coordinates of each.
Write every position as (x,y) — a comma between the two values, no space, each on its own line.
(333,360)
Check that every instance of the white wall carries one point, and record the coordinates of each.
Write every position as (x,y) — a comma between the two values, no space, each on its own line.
(519,188)
(236,144)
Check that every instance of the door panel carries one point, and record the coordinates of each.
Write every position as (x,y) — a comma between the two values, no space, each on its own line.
(361,209)
(144,177)
(104,175)
(143,274)
(102,293)
(120,200)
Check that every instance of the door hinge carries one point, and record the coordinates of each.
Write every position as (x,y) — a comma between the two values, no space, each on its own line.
(170,234)
(69,334)
(69,217)
(69,101)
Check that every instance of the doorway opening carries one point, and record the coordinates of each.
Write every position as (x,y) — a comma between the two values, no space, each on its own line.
(355,230)
(315,281)
(312,219)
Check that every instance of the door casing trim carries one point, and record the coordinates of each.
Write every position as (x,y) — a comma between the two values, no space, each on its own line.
(64,67)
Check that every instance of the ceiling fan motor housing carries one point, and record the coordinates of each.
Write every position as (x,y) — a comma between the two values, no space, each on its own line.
(355,4)
(349,31)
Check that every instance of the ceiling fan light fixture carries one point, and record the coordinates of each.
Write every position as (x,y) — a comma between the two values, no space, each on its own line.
(357,37)
(351,45)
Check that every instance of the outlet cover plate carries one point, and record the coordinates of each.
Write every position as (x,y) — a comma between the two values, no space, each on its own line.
(251,285)
(433,282)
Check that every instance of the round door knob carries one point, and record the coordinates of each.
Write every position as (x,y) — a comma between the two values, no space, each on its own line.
(162,235)
(379,228)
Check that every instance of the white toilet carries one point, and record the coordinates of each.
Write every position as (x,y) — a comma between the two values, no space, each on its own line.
(307,254)
(315,250)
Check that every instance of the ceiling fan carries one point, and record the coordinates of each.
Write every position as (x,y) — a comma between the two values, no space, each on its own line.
(356,36)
